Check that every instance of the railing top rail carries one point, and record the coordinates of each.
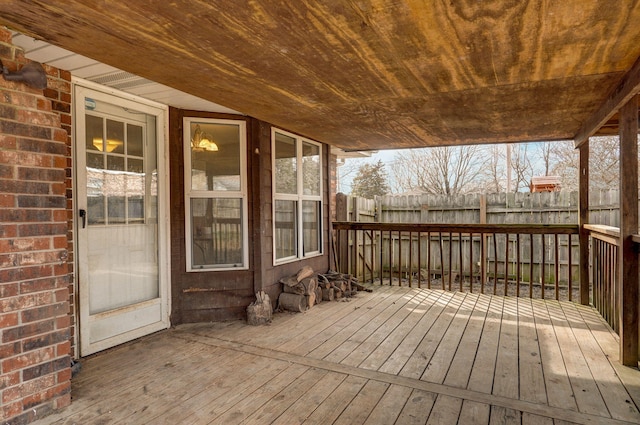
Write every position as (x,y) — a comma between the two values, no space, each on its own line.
(603,229)
(566,229)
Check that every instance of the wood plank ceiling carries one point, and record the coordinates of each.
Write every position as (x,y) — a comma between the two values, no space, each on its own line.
(365,74)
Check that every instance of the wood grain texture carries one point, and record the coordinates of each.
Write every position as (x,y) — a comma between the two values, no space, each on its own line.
(370,74)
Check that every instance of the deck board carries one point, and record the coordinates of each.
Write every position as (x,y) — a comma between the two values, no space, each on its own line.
(397,355)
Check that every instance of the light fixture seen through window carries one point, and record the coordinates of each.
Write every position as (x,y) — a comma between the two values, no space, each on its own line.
(109,146)
(201,141)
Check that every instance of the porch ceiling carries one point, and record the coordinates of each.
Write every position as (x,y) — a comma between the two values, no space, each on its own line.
(371,74)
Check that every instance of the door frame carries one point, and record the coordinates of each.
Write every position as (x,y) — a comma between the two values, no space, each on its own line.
(164,251)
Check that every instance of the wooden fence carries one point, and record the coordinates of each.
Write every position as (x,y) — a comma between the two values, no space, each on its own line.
(499,208)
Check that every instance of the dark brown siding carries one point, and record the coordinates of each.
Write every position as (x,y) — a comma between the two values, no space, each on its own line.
(224,295)
(207,295)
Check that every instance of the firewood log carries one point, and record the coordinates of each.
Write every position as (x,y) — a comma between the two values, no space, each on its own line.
(293,302)
(304,272)
(328,294)
(337,293)
(318,295)
(311,299)
(310,284)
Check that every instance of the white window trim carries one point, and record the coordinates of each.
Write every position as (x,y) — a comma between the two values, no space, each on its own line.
(190,194)
(299,197)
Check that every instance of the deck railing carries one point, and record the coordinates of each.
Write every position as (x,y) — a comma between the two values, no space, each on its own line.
(604,271)
(533,260)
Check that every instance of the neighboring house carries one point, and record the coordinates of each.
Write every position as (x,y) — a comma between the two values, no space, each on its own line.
(138,224)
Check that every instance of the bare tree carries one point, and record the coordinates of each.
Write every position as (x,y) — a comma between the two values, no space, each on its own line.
(494,170)
(521,167)
(442,170)
(565,164)
(545,153)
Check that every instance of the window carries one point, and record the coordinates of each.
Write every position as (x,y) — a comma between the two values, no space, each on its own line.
(215,194)
(297,199)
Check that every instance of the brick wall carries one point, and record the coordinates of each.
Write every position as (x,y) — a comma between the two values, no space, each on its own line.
(35,323)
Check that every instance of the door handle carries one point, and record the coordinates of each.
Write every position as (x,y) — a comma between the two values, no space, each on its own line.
(83,216)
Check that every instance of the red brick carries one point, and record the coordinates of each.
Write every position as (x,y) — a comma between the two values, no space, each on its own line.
(8,231)
(44,105)
(8,320)
(64,375)
(9,380)
(9,289)
(28,330)
(25,273)
(27,359)
(8,142)
(38,285)
(60,242)
(61,295)
(62,401)
(12,410)
(64,348)
(10,350)
(45,312)
(7,201)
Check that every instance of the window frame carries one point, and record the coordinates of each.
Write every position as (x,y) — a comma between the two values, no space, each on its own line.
(299,197)
(190,194)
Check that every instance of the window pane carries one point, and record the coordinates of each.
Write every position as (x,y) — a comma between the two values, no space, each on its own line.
(285,229)
(115,137)
(215,157)
(311,174)
(311,226)
(286,165)
(216,227)
(94,139)
(134,140)
(135,189)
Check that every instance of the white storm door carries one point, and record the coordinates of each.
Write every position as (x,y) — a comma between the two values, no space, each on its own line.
(120,232)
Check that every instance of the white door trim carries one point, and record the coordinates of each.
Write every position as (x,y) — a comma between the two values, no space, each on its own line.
(164,269)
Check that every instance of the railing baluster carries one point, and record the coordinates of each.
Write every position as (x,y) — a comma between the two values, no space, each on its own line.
(471,268)
(390,258)
(531,251)
(380,264)
(400,258)
(506,264)
(460,263)
(542,282)
(517,264)
(419,259)
(450,259)
(429,260)
(557,264)
(483,262)
(441,261)
(569,267)
(495,265)
(410,257)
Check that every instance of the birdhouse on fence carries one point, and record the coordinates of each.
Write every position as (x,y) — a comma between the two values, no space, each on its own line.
(545,184)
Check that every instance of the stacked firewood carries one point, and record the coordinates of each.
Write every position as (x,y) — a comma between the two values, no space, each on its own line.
(307,288)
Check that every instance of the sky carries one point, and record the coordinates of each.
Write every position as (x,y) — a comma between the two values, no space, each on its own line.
(347,172)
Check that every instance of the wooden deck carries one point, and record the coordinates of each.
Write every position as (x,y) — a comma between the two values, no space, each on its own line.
(394,356)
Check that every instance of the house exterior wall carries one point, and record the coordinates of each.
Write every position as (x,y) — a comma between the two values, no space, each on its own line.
(35,273)
(225,295)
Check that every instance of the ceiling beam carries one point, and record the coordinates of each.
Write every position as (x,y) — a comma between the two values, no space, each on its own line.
(629,86)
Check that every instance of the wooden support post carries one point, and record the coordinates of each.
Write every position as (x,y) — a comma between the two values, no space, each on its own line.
(627,252)
(583,219)
(343,238)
